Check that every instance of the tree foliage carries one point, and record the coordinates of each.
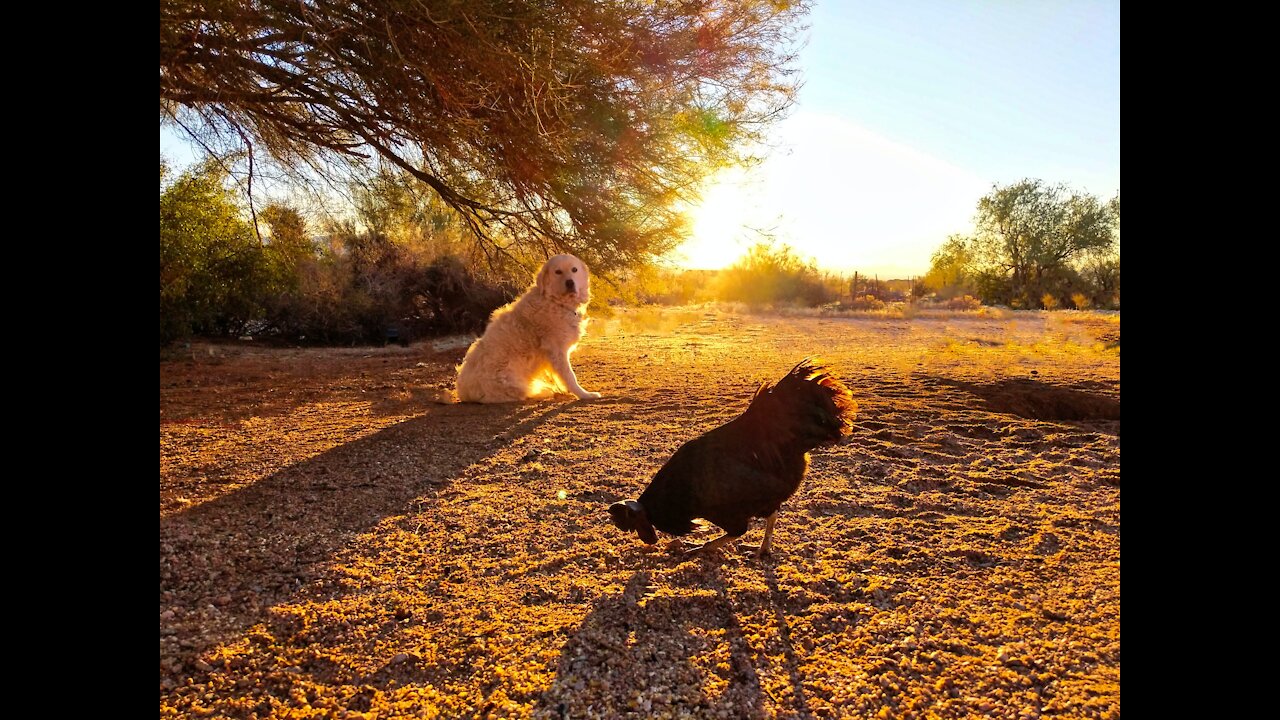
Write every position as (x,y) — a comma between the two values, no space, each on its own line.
(211,264)
(560,125)
(951,268)
(1034,240)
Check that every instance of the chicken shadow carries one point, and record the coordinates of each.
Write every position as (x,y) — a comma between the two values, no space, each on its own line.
(791,662)
(635,654)
(226,562)
(640,653)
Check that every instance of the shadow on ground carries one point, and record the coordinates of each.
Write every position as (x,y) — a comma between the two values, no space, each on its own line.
(225,562)
(1037,400)
(677,644)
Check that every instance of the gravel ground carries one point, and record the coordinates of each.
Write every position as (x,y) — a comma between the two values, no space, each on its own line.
(337,541)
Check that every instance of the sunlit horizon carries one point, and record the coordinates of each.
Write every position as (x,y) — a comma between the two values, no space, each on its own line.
(911,112)
(840,195)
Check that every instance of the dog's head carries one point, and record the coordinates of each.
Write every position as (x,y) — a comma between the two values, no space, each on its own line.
(564,279)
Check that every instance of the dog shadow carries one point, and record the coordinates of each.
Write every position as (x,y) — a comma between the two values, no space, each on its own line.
(225,562)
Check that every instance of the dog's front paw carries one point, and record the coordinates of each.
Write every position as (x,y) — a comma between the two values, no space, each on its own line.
(589,396)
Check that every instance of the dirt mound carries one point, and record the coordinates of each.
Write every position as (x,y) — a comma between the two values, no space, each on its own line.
(1036,400)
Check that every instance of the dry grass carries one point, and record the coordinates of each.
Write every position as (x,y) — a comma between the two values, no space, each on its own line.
(891,311)
(333,543)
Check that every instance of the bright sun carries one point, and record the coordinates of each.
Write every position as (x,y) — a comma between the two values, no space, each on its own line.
(839,194)
(720,225)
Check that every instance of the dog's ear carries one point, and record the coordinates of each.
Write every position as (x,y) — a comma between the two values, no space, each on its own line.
(543,279)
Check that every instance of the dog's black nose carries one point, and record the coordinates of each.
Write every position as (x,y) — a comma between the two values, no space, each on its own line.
(569,283)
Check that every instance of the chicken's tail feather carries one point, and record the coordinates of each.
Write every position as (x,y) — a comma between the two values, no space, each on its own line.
(809,404)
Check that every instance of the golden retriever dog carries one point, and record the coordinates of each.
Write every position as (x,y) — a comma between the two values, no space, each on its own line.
(524,352)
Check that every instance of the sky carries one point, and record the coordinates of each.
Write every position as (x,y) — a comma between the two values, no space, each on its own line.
(911,110)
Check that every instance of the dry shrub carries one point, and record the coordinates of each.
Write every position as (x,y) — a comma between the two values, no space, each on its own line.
(770,275)
(377,291)
(457,299)
(964,302)
(866,302)
(1049,301)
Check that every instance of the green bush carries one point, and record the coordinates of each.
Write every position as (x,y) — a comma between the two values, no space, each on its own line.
(403,276)
(213,271)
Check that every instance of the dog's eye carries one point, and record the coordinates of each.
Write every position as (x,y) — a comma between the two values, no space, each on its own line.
(575,269)
(559,272)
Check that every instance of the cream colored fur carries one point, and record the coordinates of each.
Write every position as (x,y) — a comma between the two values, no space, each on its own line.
(524,352)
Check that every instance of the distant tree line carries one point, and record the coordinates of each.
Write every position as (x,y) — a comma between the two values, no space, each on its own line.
(401,267)
(403,264)
(769,274)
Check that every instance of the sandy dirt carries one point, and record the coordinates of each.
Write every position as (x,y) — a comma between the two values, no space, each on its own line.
(334,543)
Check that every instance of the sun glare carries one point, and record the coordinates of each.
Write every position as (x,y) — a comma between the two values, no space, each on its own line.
(839,194)
(720,225)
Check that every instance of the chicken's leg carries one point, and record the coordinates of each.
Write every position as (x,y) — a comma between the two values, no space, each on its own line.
(764,547)
(768,534)
(712,544)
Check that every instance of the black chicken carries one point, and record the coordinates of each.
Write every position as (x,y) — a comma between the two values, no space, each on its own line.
(747,467)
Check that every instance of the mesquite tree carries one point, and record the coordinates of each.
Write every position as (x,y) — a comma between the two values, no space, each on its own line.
(552,125)
(1030,233)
